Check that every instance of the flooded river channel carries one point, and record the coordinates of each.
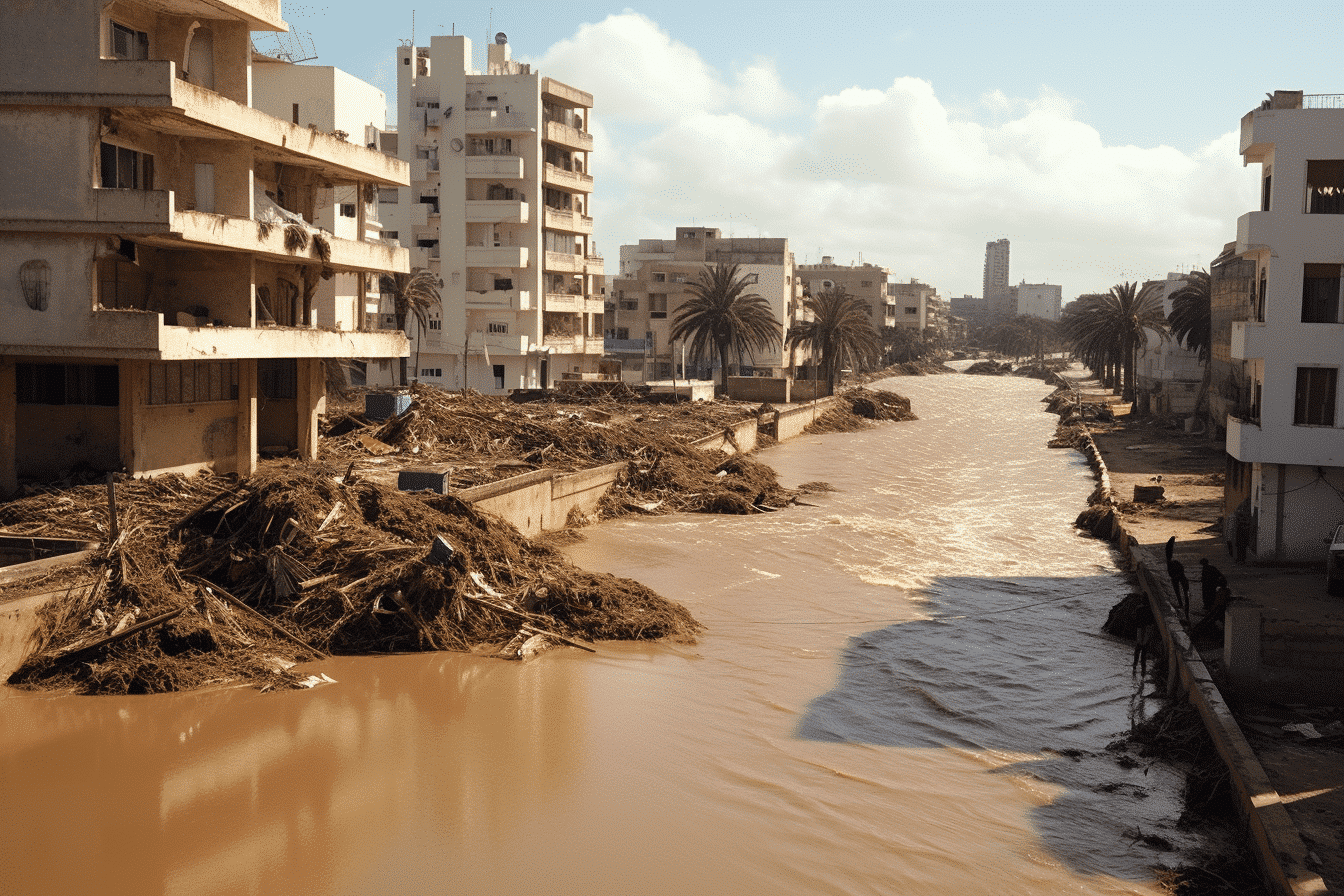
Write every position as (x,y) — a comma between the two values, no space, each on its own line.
(902,689)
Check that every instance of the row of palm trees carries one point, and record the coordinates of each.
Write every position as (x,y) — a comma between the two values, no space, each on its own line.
(724,317)
(1106,331)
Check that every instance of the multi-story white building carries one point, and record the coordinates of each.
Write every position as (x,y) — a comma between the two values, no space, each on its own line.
(1285,442)
(866,281)
(917,306)
(337,103)
(1168,375)
(654,284)
(499,209)
(1042,300)
(159,266)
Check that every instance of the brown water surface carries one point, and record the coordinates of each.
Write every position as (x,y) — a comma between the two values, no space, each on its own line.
(902,690)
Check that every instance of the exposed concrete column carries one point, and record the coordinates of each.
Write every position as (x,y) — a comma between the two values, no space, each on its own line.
(311,398)
(9,429)
(133,394)
(245,458)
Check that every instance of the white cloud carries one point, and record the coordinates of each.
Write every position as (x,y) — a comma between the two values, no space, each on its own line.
(889,172)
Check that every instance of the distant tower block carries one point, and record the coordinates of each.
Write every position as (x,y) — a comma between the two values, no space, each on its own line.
(997,294)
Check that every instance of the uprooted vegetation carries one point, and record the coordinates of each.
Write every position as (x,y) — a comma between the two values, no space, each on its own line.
(295,563)
(213,579)
(858,408)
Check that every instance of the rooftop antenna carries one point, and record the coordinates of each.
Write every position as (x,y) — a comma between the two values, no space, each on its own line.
(412,29)
(295,46)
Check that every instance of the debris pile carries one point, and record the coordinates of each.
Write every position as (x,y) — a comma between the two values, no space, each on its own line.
(295,563)
(990,368)
(859,407)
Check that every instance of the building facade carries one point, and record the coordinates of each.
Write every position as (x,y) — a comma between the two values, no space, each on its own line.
(996,292)
(1168,376)
(499,210)
(918,306)
(866,281)
(1042,300)
(1285,440)
(654,283)
(159,265)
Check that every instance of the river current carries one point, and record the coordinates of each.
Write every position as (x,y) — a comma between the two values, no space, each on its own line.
(902,689)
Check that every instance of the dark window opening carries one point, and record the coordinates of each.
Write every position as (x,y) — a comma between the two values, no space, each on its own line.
(1315,398)
(1320,294)
(347,209)
(278,378)
(1325,187)
(125,169)
(499,376)
(127,43)
(80,384)
(192,382)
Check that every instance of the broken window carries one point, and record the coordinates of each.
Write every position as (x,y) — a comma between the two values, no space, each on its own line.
(1315,397)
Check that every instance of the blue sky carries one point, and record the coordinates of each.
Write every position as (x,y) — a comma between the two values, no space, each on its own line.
(1099,139)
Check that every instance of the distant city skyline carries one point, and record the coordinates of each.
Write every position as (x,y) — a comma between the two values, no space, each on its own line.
(910,134)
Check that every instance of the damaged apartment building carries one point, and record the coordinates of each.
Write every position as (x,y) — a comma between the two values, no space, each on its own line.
(655,282)
(159,272)
(498,210)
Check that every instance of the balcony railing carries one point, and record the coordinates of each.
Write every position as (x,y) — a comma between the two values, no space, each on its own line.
(1323,101)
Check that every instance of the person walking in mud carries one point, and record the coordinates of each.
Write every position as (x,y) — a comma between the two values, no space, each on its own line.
(1180,585)
(1210,580)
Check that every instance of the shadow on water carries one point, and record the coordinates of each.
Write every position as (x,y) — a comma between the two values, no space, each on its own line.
(1014,666)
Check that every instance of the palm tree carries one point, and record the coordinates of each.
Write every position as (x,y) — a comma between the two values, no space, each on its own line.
(723,317)
(1191,319)
(841,331)
(1107,330)
(412,294)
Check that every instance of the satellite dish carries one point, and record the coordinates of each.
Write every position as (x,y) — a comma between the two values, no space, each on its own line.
(456,144)
(501,38)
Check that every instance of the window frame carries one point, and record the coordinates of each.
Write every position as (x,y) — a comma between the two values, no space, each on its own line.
(137,42)
(1314,403)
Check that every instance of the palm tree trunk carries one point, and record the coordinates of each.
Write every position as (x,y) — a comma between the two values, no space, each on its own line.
(723,368)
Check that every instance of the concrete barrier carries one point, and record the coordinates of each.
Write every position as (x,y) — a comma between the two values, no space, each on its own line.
(542,500)
(790,422)
(743,439)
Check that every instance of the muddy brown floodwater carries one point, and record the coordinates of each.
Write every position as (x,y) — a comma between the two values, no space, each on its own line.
(902,689)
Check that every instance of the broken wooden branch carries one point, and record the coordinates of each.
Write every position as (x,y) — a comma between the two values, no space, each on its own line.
(121,635)
(529,620)
(426,632)
(215,589)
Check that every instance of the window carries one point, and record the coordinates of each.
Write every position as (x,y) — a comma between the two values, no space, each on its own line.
(1320,294)
(127,43)
(1315,399)
(391,235)
(659,277)
(499,375)
(125,169)
(278,378)
(497,327)
(1265,188)
(629,304)
(865,283)
(436,372)
(347,209)
(658,307)
(189,382)
(436,325)
(911,309)
(388,195)
(86,384)
(432,202)
(295,113)
(1325,187)
(622,332)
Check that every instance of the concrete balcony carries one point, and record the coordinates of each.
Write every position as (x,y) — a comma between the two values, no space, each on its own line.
(572,181)
(593,264)
(568,137)
(419,257)
(568,221)
(496,211)
(499,300)
(497,121)
(593,345)
(1255,232)
(417,214)
(1308,446)
(561,262)
(565,95)
(424,170)
(144,335)
(108,211)
(496,256)
(1249,340)
(563,302)
(594,305)
(502,167)
(575,345)
(169,105)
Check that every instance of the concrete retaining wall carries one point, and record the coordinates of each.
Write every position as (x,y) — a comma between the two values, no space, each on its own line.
(791,422)
(1288,660)
(743,439)
(542,500)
